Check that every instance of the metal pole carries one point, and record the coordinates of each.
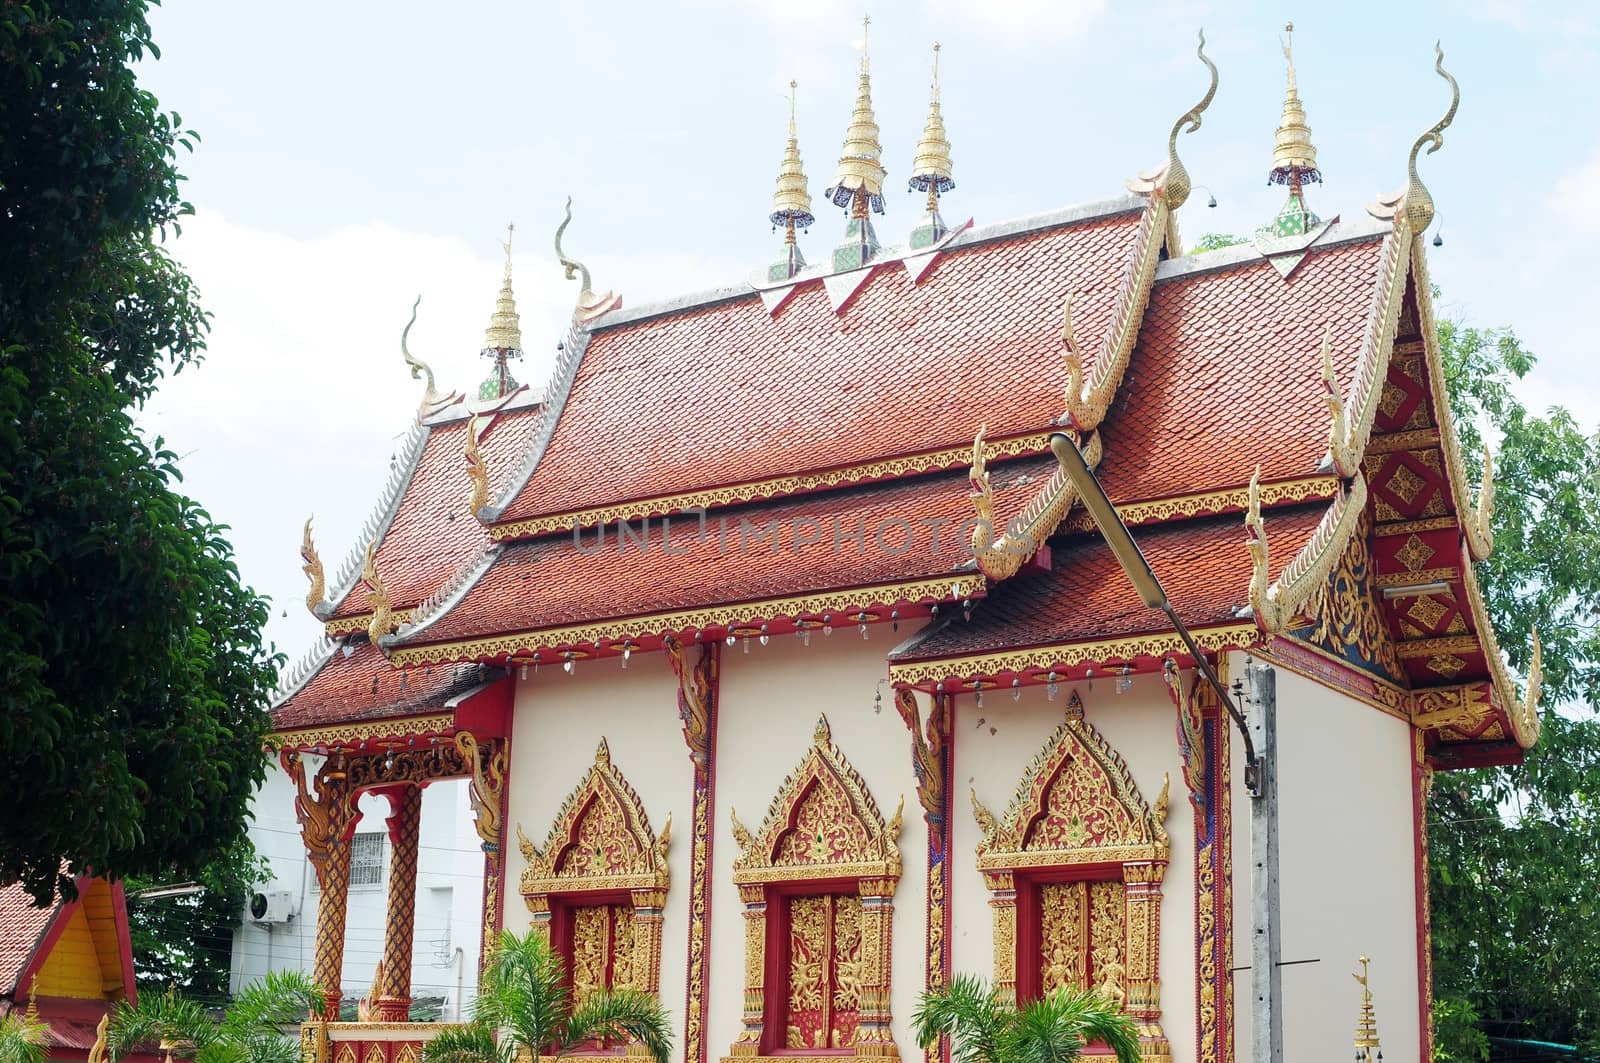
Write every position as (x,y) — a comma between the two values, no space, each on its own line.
(1266,984)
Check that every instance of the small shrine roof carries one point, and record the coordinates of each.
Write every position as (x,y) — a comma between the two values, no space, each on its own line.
(22,928)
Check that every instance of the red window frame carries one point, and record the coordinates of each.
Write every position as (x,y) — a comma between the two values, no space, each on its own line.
(775,995)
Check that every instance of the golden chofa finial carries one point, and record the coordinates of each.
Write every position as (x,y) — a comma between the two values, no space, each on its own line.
(1172,180)
(432,400)
(791,203)
(1418,203)
(931,170)
(859,182)
(590,305)
(1366,1039)
(502,340)
(1294,157)
(312,568)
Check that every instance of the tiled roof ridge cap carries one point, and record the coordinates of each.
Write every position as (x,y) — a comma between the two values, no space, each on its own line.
(294,678)
(973,237)
(382,516)
(448,595)
(1226,258)
(524,397)
(562,377)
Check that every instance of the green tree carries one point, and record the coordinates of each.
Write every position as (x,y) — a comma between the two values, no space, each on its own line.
(133,680)
(187,942)
(1515,853)
(250,1031)
(524,1005)
(1056,1028)
(1216,241)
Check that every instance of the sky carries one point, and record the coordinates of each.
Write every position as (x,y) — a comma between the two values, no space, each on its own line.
(355,155)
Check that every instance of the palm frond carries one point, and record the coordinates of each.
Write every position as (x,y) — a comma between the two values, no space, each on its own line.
(160,1017)
(1056,1028)
(23,1039)
(618,1015)
(967,1012)
(524,990)
(277,999)
(472,1042)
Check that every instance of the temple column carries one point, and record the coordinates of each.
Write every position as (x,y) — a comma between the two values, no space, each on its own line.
(405,823)
(874,1036)
(326,824)
(1003,899)
(1142,889)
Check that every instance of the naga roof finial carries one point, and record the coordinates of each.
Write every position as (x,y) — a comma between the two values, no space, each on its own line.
(382,621)
(477,468)
(791,203)
(1418,203)
(432,400)
(312,568)
(1176,182)
(590,305)
(502,340)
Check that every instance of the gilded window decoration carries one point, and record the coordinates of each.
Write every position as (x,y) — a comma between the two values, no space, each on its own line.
(1346,619)
(602,875)
(1080,856)
(824,865)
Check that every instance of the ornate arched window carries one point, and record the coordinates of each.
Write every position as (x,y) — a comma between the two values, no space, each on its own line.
(818,881)
(597,887)
(1074,871)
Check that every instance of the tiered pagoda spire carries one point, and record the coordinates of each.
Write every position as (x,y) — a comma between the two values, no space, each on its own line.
(502,340)
(931,170)
(791,204)
(1367,1047)
(859,182)
(1294,157)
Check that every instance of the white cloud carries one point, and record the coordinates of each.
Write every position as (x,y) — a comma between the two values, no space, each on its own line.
(298,405)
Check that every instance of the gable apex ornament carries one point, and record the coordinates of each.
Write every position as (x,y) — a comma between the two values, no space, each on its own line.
(931,169)
(590,306)
(502,340)
(791,203)
(858,184)
(1171,180)
(432,400)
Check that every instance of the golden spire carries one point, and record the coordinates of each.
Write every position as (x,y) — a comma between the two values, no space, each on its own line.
(504,332)
(861,172)
(931,170)
(1294,157)
(791,204)
(1366,1039)
(502,340)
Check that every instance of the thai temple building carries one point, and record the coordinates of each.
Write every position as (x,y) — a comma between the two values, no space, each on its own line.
(790,677)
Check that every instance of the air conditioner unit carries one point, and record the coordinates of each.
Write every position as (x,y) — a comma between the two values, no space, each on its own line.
(271,906)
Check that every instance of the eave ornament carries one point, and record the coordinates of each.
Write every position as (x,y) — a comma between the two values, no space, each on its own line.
(823,826)
(382,621)
(313,570)
(1078,809)
(1476,523)
(1002,558)
(1276,603)
(590,305)
(1171,181)
(477,469)
(1418,202)
(432,400)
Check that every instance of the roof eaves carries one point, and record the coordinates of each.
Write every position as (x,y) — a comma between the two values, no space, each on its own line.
(297,675)
(447,597)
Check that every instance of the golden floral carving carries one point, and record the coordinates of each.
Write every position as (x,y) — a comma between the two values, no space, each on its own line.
(1063,916)
(1162,510)
(601,839)
(345,625)
(351,734)
(1347,621)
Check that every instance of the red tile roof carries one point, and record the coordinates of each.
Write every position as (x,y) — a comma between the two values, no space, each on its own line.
(547,582)
(725,393)
(22,927)
(1227,373)
(432,532)
(364,686)
(1202,565)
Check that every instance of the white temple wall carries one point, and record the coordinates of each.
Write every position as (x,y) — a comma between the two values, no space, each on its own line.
(770,702)
(559,718)
(1140,725)
(1347,858)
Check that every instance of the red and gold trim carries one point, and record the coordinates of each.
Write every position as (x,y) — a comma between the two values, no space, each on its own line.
(698,694)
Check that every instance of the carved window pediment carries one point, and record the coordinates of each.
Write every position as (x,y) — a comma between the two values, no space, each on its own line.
(1076,803)
(823,823)
(601,839)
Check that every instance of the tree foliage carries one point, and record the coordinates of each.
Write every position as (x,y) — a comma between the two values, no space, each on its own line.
(525,1008)
(1515,853)
(983,1028)
(133,680)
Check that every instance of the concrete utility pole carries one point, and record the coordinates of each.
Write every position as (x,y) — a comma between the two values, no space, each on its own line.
(1266,978)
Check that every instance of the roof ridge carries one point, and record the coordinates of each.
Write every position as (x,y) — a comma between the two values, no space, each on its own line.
(445,597)
(382,516)
(562,377)
(1337,234)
